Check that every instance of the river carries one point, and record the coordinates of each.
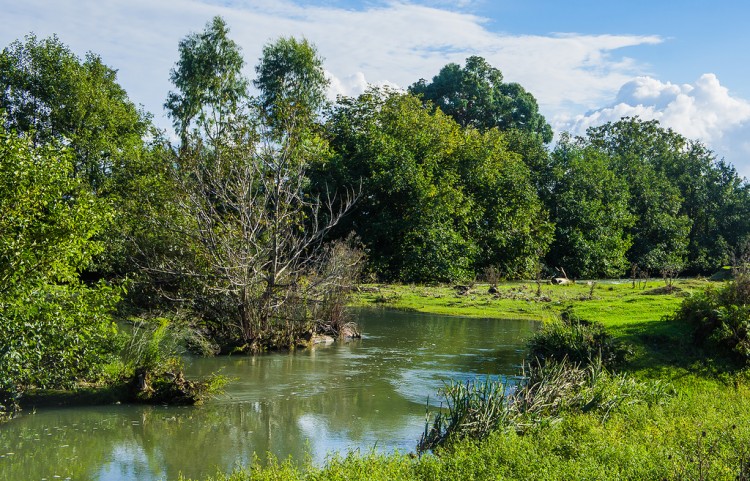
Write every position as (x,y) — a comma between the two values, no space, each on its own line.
(360,395)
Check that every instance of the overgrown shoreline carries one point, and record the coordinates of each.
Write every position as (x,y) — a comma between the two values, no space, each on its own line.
(700,431)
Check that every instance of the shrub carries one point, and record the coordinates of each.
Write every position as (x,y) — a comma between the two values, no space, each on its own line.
(576,340)
(721,317)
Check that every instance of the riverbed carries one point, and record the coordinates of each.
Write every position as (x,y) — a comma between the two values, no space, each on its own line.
(359,395)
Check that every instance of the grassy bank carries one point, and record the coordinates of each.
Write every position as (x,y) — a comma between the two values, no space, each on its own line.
(701,432)
(611,302)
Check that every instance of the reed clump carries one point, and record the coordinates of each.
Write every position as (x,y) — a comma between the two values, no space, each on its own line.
(548,391)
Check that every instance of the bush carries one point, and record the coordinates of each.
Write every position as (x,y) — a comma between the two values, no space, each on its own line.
(576,340)
(721,317)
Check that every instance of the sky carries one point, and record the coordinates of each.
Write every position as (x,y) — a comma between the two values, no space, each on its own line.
(684,63)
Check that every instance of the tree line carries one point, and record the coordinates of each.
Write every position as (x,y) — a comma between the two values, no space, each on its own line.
(256,220)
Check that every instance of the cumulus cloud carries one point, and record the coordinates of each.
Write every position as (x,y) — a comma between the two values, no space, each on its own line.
(704,110)
(385,42)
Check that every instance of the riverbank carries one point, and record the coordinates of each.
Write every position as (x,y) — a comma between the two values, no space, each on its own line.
(610,301)
(702,432)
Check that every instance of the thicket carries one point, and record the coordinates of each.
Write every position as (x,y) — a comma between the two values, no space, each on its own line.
(720,316)
(54,328)
(578,341)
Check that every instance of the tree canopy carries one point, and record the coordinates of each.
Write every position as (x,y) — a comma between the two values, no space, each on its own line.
(50,94)
(438,201)
(476,96)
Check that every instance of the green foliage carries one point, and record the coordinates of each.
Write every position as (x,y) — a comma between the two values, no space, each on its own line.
(153,367)
(690,210)
(50,94)
(55,97)
(291,81)
(402,154)
(476,96)
(508,221)
(721,316)
(151,344)
(54,330)
(589,205)
(456,199)
(577,341)
(209,81)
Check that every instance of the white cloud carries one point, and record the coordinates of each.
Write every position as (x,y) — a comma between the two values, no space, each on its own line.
(388,42)
(704,110)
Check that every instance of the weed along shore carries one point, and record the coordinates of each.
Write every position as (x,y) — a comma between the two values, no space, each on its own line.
(618,389)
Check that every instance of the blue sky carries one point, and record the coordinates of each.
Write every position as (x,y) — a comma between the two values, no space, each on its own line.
(685,63)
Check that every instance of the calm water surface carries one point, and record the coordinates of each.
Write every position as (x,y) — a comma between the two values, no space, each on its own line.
(367,394)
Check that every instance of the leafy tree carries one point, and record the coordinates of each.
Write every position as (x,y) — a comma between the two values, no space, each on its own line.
(412,214)
(639,150)
(475,95)
(50,94)
(209,82)
(691,208)
(251,231)
(54,330)
(292,84)
(589,205)
(508,221)
(716,199)
(437,201)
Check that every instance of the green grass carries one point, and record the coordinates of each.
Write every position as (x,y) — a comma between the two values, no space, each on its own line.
(610,302)
(702,432)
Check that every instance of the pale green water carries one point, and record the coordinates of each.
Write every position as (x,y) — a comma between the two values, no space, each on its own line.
(361,395)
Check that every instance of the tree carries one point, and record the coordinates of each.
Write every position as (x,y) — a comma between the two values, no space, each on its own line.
(475,95)
(412,215)
(210,86)
(639,152)
(438,202)
(54,330)
(589,206)
(508,220)
(253,231)
(292,84)
(51,95)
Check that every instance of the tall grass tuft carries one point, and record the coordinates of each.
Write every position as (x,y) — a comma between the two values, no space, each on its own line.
(569,370)
(153,363)
(474,409)
(549,391)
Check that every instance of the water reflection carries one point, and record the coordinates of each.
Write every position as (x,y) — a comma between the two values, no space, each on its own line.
(346,396)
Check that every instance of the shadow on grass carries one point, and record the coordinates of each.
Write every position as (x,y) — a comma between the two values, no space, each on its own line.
(668,348)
